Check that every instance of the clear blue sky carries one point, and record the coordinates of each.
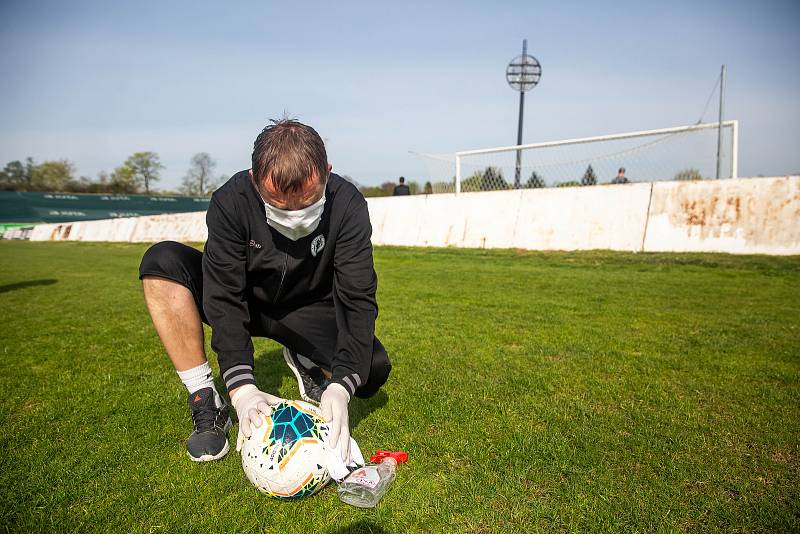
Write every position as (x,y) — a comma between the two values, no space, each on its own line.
(95,81)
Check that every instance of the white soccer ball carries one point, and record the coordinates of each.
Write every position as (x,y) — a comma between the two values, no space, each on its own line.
(285,457)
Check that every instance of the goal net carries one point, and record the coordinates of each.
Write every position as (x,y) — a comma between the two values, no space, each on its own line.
(679,153)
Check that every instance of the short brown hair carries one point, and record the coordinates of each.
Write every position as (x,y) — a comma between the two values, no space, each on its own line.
(288,153)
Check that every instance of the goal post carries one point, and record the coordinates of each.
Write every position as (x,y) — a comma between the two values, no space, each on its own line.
(676,153)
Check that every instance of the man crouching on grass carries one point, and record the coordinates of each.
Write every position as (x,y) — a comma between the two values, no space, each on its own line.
(288,257)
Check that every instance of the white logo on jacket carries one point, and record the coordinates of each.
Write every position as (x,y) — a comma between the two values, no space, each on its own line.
(317,245)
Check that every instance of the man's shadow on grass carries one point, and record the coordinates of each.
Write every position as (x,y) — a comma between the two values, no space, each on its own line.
(270,369)
(27,283)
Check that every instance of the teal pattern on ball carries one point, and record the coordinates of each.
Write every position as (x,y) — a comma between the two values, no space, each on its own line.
(290,424)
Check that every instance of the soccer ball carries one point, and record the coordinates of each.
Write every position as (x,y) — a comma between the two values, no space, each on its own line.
(285,457)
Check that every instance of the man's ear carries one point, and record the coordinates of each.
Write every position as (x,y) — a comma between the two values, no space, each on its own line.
(250,172)
(330,167)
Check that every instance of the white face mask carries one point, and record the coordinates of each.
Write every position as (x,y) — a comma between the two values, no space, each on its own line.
(295,224)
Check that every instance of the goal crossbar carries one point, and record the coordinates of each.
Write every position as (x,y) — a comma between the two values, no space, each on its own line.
(733,124)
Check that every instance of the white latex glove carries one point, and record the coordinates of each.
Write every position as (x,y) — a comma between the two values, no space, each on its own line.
(333,405)
(249,402)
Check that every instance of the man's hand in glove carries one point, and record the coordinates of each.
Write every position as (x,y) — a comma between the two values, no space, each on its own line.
(249,402)
(334,410)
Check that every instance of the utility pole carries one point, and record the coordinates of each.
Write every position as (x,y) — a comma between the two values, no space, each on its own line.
(721,112)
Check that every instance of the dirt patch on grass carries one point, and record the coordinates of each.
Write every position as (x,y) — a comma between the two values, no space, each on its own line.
(784,457)
(29,407)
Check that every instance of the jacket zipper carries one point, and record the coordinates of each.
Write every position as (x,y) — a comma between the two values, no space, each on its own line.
(283,275)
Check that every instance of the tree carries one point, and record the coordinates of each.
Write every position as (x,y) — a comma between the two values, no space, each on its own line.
(28,173)
(101,185)
(373,191)
(123,181)
(489,179)
(12,177)
(492,179)
(144,168)
(388,188)
(535,181)
(17,176)
(472,183)
(83,184)
(688,174)
(52,175)
(428,188)
(200,179)
(589,178)
(445,187)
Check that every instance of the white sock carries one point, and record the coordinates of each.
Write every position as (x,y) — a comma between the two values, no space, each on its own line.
(198,378)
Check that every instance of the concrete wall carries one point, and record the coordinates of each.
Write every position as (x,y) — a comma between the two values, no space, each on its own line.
(569,218)
(742,216)
(185,227)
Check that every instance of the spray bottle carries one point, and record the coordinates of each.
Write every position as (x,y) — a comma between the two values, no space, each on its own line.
(365,486)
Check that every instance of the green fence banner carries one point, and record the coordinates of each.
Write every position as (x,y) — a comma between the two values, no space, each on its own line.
(18,207)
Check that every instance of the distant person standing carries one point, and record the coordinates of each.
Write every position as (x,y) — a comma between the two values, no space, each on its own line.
(620,178)
(401,189)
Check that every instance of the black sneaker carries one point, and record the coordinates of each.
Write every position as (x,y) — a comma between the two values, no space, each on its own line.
(310,379)
(209,441)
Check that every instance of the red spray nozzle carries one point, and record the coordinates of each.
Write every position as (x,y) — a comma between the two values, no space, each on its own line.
(399,456)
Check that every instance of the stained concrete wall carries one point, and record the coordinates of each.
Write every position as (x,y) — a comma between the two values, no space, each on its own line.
(185,227)
(742,216)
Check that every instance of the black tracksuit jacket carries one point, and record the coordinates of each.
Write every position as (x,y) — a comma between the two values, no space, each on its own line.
(248,265)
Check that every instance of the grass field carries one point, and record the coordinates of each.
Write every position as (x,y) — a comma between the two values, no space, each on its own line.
(533,391)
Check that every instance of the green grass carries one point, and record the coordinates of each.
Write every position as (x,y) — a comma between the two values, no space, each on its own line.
(533,391)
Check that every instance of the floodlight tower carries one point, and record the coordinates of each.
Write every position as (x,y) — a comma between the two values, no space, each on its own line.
(522,74)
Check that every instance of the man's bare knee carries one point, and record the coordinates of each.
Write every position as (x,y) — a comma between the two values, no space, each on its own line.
(156,286)
(167,298)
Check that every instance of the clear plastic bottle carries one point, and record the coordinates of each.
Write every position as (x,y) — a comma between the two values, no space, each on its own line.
(365,486)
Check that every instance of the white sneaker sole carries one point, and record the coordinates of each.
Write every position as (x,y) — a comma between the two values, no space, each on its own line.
(220,454)
(209,457)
